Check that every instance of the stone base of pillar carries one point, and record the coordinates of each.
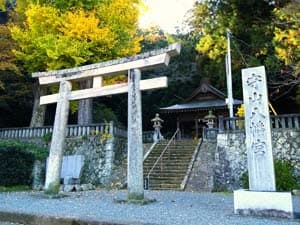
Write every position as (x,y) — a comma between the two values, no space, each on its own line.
(259,203)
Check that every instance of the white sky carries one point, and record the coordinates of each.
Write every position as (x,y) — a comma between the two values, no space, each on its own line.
(166,13)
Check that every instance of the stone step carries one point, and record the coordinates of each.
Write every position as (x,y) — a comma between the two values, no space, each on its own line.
(183,170)
(167,169)
(169,159)
(168,163)
(177,151)
(178,173)
(164,186)
(164,181)
(175,158)
(173,154)
(165,175)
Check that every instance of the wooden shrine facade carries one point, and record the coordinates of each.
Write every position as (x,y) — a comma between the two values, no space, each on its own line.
(189,115)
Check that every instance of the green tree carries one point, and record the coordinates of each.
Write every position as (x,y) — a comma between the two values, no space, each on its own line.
(287,47)
(248,21)
(15,87)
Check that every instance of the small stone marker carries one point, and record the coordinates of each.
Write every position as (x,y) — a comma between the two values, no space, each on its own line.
(262,198)
(71,168)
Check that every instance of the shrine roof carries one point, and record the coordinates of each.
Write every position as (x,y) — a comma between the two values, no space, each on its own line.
(198,106)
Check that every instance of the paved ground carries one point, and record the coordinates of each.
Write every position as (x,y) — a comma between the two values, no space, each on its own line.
(8,223)
(171,208)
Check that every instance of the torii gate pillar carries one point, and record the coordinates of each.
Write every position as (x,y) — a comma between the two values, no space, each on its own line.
(58,137)
(135,142)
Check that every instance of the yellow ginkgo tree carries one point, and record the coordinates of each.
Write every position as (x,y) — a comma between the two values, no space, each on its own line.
(63,34)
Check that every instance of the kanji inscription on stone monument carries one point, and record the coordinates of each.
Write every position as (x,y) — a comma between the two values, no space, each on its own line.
(258,130)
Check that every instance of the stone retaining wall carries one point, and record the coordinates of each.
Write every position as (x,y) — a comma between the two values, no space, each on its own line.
(99,156)
(231,157)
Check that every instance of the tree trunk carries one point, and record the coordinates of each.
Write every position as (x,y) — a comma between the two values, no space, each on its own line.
(38,111)
(85,106)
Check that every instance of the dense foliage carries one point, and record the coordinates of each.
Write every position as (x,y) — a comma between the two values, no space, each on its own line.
(262,33)
(38,152)
(59,34)
(15,167)
(16,162)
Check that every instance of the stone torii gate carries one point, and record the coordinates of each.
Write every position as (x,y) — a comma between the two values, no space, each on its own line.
(133,65)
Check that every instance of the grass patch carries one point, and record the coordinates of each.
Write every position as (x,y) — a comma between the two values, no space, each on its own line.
(15,188)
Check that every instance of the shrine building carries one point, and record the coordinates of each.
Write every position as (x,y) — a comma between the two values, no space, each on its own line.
(193,113)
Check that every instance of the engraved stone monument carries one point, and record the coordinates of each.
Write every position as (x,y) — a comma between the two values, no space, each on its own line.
(258,131)
(261,199)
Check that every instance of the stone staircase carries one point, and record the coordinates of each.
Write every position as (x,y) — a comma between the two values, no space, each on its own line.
(169,174)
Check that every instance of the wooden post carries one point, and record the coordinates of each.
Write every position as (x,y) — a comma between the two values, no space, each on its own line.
(135,144)
(58,138)
(196,129)
(178,128)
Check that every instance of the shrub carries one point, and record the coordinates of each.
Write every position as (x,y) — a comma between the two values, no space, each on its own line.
(15,166)
(40,153)
(47,138)
(16,162)
(285,180)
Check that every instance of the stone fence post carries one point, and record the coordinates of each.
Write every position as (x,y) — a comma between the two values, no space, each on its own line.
(109,154)
(221,124)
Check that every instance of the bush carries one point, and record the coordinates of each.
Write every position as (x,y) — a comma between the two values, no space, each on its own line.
(16,162)
(285,180)
(15,167)
(38,152)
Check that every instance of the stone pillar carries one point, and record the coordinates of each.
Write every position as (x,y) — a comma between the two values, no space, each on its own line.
(109,154)
(262,199)
(135,143)
(258,130)
(58,139)
(37,175)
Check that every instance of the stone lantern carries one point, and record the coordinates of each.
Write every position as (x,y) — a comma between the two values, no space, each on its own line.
(210,119)
(157,136)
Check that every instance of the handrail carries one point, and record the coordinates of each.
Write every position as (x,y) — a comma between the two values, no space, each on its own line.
(161,155)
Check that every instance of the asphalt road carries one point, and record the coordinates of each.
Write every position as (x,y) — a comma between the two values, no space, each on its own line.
(170,208)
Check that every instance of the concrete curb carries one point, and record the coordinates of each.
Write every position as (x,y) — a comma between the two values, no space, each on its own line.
(32,219)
